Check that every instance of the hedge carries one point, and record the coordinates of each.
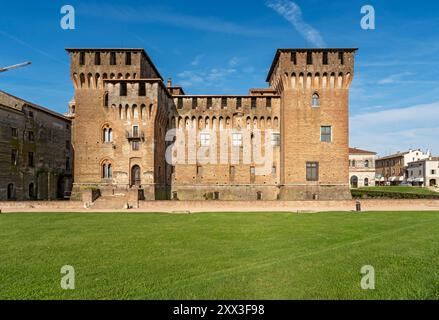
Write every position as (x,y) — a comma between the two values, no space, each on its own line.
(364,194)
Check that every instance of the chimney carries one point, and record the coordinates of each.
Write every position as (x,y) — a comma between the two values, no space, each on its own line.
(169,83)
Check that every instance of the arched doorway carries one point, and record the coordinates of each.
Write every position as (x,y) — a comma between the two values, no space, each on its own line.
(31,190)
(135,176)
(354,182)
(433,183)
(11,191)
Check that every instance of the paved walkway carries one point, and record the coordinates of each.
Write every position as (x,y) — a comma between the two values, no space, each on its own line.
(231,206)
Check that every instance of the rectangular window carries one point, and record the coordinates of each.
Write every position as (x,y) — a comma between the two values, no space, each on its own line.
(253,103)
(205,139)
(14,132)
(180,103)
(238,103)
(273,171)
(252,174)
(98,58)
(341,57)
(433,171)
(81,58)
(30,135)
(312,171)
(325,58)
(128,58)
(236,139)
(325,134)
(268,102)
(136,145)
(14,157)
(135,131)
(209,103)
(113,58)
(309,57)
(232,173)
(275,139)
(30,159)
(199,171)
(223,103)
(194,103)
(123,89)
(142,89)
(30,114)
(293,58)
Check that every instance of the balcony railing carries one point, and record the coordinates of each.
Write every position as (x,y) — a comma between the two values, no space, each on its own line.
(135,135)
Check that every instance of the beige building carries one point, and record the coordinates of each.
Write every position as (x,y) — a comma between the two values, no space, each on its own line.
(424,173)
(35,151)
(392,169)
(136,137)
(361,168)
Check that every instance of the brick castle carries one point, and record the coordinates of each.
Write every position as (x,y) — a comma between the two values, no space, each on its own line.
(135,135)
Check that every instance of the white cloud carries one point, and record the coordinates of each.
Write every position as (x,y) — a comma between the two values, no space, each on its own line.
(211,78)
(165,15)
(293,14)
(233,62)
(197,60)
(392,130)
(395,78)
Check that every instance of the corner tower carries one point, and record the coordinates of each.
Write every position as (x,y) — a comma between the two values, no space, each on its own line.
(120,116)
(314,89)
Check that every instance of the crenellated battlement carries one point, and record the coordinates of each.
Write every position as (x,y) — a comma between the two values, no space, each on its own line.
(223,103)
(90,67)
(312,69)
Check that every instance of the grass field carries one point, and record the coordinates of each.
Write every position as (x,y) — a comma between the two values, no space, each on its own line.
(220,255)
(401,189)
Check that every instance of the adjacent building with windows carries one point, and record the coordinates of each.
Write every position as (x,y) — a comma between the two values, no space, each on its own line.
(361,168)
(424,173)
(134,134)
(35,151)
(392,169)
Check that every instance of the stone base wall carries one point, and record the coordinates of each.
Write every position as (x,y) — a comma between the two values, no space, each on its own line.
(62,205)
(215,192)
(315,192)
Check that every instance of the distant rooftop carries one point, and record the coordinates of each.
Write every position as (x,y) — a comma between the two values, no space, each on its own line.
(360,151)
(35,106)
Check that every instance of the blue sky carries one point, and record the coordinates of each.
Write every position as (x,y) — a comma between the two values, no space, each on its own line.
(227,47)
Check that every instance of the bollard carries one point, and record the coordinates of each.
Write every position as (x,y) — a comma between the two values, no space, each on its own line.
(358,206)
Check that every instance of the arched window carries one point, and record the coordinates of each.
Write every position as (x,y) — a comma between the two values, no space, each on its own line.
(107,134)
(315,100)
(354,163)
(107,170)
(366,182)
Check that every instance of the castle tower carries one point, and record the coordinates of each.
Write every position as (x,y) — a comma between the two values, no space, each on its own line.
(314,88)
(120,120)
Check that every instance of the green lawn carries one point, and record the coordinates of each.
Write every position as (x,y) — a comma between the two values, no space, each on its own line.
(401,189)
(220,255)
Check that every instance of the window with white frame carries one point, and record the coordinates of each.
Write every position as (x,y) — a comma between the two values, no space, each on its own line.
(205,139)
(275,139)
(236,139)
